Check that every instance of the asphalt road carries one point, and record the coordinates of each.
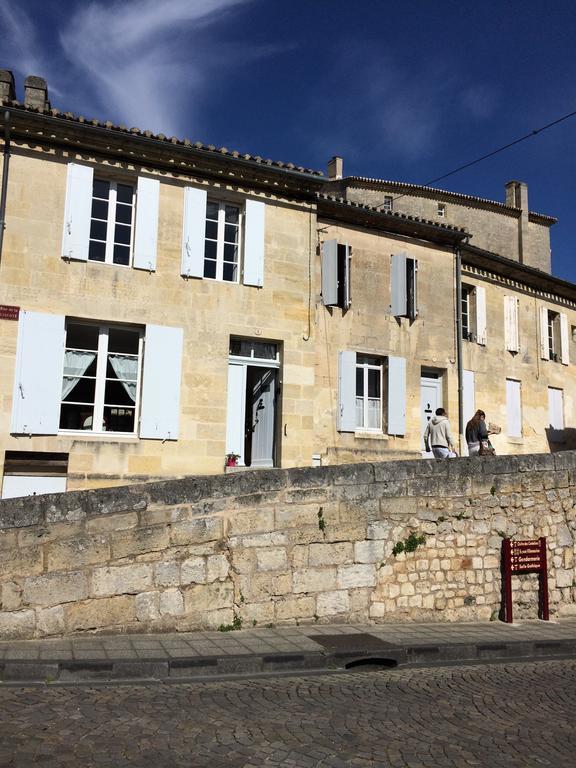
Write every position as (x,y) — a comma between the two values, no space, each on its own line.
(491,715)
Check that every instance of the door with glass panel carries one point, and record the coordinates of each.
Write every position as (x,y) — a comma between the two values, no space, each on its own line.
(430,400)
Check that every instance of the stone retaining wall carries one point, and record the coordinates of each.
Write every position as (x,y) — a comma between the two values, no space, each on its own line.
(286,546)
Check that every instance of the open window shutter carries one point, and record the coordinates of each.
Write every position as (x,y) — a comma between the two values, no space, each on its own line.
(564,342)
(398,285)
(146,235)
(347,271)
(468,396)
(480,314)
(193,233)
(544,345)
(77,212)
(254,231)
(346,417)
(160,412)
(38,375)
(513,408)
(330,273)
(511,323)
(396,396)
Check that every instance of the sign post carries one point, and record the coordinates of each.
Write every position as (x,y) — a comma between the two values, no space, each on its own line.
(526,556)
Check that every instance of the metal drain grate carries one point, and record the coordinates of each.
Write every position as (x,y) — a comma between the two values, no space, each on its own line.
(357,642)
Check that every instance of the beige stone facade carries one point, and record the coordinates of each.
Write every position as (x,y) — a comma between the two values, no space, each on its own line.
(283,313)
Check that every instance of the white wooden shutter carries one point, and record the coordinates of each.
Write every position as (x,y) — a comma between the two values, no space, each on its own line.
(347,271)
(254,233)
(346,416)
(564,340)
(480,292)
(556,408)
(77,212)
(193,232)
(235,415)
(396,396)
(511,323)
(330,273)
(146,235)
(544,343)
(160,411)
(513,408)
(399,298)
(38,375)
(468,396)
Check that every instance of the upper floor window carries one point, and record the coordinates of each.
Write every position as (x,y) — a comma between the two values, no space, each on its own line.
(403,285)
(441,210)
(473,313)
(112,222)
(554,337)
(336,268)
(221,249)
(100,385)
(388,204)
(369,378)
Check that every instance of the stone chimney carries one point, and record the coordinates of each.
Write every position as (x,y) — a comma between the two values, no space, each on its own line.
(36,92)
(335,168)
(517,197)
(7,89)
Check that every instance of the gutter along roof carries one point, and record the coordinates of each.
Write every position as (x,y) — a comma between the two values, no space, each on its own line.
(444,194)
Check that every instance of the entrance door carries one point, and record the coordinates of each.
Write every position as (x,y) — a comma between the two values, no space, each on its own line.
(260,408)
(430,399)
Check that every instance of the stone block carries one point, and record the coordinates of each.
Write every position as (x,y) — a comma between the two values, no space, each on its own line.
(198,531)
(121,580)
(208,597)
(332,603)
(55,588)
(217,568)
(106,612)
(564,578)
(139,541)
(260,586)
(171,603)
(193,571)
(294,608)
(11,596)
(258,614)
(296,515)
(18,625)
(121,522)
(272,559)
(380,529)
(148,606)
(330,554)
(20,562)
(314,580)
(70,554)
(50,621)
(167,573)
(242,522)
(369,551)
(359,575)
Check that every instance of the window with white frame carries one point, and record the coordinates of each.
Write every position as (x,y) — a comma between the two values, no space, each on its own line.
(222,241)
(112,222)
(441,210)
(468,314)
(101,378)
(553,335)
(388,204)
(369,378)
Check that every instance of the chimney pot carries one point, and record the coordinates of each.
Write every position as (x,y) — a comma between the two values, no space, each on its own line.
(517,195)
(36,92)
(335,168)
(7,88)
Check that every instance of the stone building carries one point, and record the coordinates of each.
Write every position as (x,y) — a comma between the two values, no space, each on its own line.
(164,303)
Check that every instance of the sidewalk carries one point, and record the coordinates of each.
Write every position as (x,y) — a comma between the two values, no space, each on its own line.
(253,652)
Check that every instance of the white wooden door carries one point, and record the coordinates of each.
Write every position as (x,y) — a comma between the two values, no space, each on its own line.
(430,399)
(513,408)
(262,382)
(556,408)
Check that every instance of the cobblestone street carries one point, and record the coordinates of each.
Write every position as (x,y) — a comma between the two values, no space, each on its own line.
(493,715)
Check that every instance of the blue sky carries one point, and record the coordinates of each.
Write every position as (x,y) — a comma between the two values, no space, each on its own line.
(404,91)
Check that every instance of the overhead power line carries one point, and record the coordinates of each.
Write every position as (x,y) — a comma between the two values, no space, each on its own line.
(497,151)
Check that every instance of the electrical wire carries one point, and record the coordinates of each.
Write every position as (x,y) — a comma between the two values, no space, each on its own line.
(495,151)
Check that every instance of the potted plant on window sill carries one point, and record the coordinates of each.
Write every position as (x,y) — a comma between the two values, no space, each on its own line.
(231,459)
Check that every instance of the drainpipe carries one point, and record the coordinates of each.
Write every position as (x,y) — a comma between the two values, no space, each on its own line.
(458,278)
(4,192)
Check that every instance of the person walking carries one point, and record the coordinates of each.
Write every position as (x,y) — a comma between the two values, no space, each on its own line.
(438,436)
(476,432)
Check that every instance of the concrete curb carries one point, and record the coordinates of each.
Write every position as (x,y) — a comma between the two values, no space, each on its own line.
(47,671)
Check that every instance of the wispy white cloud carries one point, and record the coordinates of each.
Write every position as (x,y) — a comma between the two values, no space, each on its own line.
(18,36)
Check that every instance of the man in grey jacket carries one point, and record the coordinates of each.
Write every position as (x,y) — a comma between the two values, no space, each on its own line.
(439,437)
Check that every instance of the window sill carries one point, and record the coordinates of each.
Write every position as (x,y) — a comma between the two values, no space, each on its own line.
(366,435)
(112,436)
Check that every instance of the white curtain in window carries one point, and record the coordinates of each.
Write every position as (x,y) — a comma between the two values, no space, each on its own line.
(75,365)
(126,368)
(374,409)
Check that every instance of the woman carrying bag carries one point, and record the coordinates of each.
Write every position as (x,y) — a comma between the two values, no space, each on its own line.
(477,436)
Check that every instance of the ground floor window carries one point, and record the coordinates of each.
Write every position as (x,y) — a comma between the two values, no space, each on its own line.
(369,376)
(101,378)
